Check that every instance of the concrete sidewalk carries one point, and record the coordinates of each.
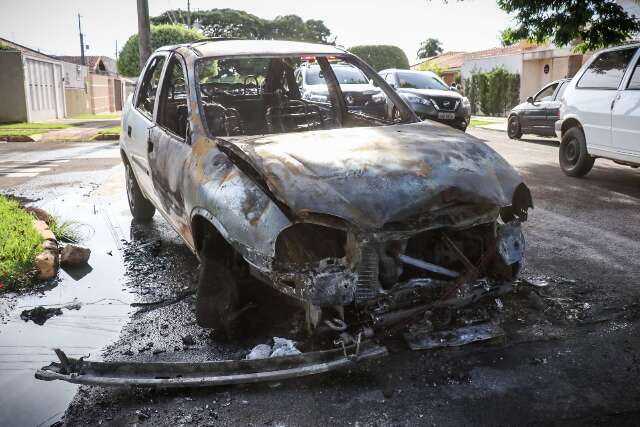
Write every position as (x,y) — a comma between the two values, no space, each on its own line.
(498,123)
(83,130)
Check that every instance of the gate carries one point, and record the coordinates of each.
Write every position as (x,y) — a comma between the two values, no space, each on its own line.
(45,97)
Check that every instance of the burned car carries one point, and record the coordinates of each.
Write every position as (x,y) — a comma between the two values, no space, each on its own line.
(361,219)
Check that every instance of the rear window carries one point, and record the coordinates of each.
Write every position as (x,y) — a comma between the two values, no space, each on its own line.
(607,70)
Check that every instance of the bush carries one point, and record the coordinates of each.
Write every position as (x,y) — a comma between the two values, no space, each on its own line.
(161,35)
(492,93)
(381,57)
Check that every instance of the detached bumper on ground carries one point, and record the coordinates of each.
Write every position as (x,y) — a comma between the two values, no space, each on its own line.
(203,374)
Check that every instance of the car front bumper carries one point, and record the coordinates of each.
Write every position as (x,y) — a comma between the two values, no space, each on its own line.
(461,116)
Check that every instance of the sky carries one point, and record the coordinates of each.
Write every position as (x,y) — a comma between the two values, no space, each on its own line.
(52,25)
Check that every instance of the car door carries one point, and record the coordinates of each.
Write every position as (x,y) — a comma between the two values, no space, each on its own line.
(595,93)
(537,112)
(169,149)
(625,115)
(139,122)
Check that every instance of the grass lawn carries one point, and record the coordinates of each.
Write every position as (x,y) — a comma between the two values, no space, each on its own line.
(96,116)
(111,131)
(20,132)
(475,122)
(24,125)
(20,243)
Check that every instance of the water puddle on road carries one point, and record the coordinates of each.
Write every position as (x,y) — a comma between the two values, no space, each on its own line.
(99,291)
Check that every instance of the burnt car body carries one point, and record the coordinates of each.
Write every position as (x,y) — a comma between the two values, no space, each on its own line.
(332,206)
(430,97)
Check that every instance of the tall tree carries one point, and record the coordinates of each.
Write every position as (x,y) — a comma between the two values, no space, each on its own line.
(590,24)
(238,23)
(429,48)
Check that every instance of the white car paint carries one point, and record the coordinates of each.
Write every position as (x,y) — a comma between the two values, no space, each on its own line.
(610,118)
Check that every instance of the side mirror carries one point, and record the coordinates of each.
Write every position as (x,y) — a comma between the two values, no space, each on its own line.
(453,88)
(530,100)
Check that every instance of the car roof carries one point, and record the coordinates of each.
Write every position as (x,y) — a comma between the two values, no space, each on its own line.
(230,47)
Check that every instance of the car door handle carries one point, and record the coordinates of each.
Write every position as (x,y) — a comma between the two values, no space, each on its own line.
(129,131)
(149,145)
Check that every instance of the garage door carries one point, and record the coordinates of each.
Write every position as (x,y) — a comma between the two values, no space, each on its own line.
(44,89)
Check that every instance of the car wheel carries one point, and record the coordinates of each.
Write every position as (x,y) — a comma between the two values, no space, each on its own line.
(139,206)
(574,157)
(217,299)
(514,131)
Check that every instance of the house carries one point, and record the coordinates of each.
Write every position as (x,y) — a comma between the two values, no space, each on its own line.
(104,86)
(448,65)
(31,84)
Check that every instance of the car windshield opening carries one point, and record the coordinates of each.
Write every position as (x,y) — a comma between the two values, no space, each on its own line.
(420,81)
(241,96)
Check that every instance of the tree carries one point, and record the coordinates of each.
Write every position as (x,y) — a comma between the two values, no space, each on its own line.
(429,48)
(161,35)
(590,24)
(240,24)
(381,57)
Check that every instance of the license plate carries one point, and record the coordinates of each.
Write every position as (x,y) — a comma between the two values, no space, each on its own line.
(446,116)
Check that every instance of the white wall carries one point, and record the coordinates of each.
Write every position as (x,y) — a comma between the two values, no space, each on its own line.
(511,63)
(74,77)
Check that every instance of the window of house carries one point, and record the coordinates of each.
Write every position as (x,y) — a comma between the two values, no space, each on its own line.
(173,112)
(149,87)
(607,70)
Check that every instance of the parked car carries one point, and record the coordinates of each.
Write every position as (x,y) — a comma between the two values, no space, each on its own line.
(600,112)
(538,115)
(359,93)
(345,211)
(429,96)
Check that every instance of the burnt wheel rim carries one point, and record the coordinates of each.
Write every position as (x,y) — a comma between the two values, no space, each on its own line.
(572,152)
(130,186)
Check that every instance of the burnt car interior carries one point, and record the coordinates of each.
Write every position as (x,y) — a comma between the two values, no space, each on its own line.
(255,96)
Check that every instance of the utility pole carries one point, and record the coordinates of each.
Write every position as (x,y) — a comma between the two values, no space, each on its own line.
(189,13)
(82,61)
(116,50)
(144,32)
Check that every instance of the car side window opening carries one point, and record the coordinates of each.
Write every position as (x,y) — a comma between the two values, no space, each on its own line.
(546,94)
(634,81)
(173,112)
(147,94)
(262,95)
(563,87)
(607,70)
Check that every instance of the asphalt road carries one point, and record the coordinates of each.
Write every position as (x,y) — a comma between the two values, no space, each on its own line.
(571,354)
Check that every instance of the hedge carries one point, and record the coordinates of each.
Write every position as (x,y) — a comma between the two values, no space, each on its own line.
(492,93)
(381,57)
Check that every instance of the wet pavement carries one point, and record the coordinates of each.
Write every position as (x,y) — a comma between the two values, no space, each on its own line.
(570,355)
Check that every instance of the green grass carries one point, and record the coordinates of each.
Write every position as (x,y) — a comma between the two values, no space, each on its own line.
(24,125)
(96,116)
(475,122)
(20,132)
(20,243)
(111,131)
(65,230)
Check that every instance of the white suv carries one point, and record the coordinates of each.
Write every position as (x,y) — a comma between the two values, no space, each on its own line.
(600,112)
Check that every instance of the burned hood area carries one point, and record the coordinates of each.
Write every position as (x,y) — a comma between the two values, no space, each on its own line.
(375,177)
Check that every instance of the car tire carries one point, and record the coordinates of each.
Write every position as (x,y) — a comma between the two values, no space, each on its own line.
(573,155)
(217,298)
(514,131)
(140,207)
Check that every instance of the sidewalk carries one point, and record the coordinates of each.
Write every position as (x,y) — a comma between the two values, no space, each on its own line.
(83,130)
(497,123)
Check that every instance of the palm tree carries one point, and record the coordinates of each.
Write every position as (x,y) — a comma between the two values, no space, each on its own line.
(429,48)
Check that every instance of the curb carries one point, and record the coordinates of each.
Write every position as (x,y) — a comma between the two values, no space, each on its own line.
(48,261)
(106,137)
